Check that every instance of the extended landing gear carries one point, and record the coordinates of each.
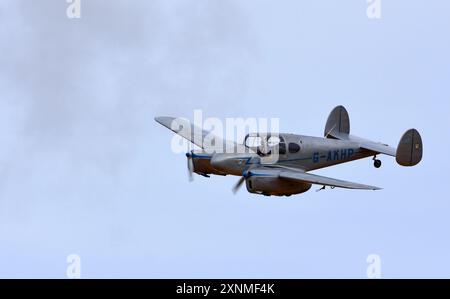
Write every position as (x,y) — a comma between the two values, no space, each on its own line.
(376,162)
(324,188)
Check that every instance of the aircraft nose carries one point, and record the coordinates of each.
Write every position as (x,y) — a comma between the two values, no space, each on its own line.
(231,164)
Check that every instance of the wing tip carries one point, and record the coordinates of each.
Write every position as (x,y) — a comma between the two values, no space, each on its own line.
(162,119)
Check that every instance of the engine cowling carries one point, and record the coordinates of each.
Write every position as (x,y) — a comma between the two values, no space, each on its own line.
(201,163)
(274,186)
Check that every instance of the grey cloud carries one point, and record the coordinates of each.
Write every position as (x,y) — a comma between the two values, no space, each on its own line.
(80,95)
(106,74)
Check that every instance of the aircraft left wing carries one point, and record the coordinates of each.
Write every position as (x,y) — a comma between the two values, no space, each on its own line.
(202,138)
(303,177)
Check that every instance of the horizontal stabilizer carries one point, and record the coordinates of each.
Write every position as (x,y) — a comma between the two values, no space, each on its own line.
(376,147)
(410,149)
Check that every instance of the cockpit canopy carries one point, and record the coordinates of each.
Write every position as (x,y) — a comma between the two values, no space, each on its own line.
(257,139)
(264,143)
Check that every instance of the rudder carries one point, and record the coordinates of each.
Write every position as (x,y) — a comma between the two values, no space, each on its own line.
(410,148)
(338,121)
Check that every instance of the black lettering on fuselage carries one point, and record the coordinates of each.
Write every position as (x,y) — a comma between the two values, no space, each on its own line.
(342,154)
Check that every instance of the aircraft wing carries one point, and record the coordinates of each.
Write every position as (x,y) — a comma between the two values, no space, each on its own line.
(303,177)
(184,128)
(366,144)
(198,136)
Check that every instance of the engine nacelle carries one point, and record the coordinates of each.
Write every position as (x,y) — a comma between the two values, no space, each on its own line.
(274,186)
(201,163)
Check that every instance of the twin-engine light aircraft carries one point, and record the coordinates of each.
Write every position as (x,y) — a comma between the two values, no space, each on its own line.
(295,156)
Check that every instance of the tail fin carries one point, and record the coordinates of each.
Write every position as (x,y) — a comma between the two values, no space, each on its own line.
(338,122)
(410,149)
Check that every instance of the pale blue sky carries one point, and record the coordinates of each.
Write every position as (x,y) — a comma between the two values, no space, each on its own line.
(84,168)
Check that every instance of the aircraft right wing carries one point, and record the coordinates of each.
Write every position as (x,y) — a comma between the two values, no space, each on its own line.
(303,177)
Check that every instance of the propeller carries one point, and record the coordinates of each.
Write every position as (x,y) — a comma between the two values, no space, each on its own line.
(238,185)
(254,162)
(245,174)
(190,166)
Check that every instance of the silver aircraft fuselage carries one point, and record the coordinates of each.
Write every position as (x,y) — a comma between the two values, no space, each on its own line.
(313,153)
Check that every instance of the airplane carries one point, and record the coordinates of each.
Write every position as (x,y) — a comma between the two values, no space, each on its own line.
(296,156)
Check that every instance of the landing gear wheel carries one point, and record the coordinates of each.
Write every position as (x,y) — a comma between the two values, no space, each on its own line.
(377,163)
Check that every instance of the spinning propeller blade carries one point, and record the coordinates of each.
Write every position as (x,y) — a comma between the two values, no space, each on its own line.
(190,167)
(238,185)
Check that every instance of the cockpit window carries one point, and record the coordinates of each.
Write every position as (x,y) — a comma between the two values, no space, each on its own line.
(253,141)
(282,148)
(264,143)
(273,140)
(293,148)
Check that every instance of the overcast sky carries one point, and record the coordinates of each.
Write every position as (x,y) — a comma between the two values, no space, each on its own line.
(85,170)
